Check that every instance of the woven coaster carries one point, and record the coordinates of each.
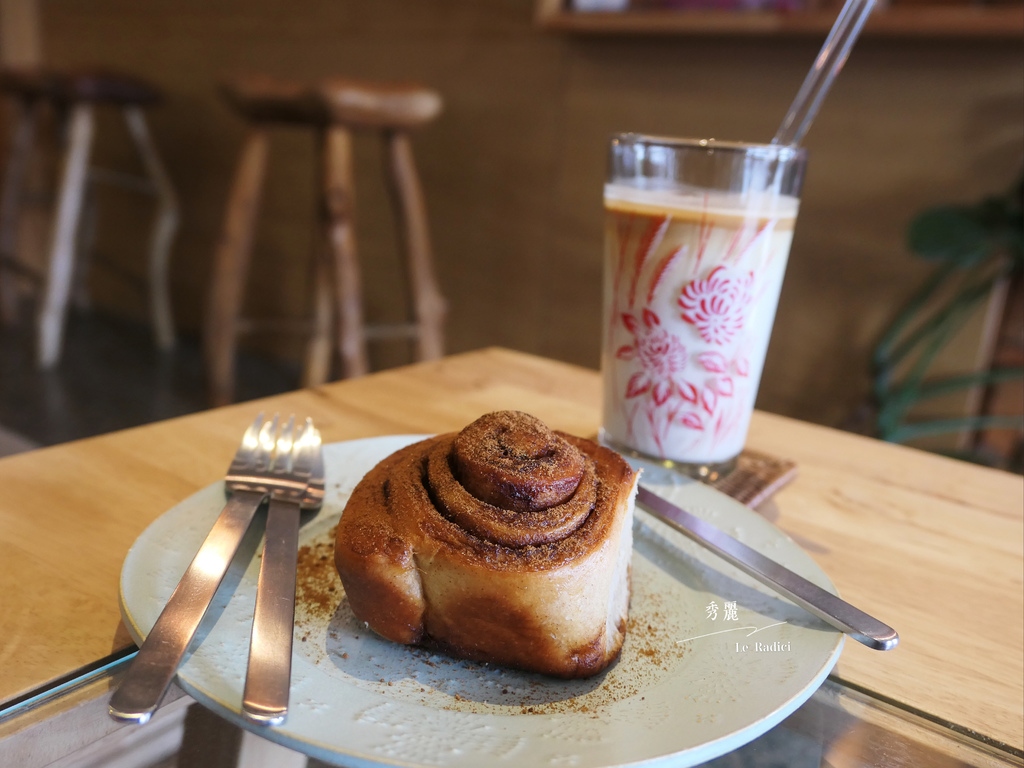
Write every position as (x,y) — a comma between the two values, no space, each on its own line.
(756,478)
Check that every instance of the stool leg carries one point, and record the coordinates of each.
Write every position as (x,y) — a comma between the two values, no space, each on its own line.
(320,349)
(80,298)
(231,266)
(18,161)
(339,209)
(428,302)
(317,370)
(65,231)
(164,229)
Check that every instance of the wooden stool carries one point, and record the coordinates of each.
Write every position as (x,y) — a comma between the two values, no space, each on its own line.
(77,95)
(334,109)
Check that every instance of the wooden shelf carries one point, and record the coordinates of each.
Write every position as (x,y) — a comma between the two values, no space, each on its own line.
(911,21)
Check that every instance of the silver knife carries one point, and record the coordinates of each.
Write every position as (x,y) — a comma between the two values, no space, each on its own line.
(826,606)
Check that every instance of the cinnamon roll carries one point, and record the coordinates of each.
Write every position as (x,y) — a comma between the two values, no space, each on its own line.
(506,543)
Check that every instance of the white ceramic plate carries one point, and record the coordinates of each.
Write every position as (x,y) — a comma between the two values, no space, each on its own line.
(688,687)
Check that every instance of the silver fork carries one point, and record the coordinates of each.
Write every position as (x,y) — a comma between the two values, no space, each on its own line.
(268,676)
(153,668)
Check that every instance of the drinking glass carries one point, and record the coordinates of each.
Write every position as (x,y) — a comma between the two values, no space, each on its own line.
(697,234)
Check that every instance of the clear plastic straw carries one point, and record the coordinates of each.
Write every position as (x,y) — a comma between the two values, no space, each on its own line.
(830,60)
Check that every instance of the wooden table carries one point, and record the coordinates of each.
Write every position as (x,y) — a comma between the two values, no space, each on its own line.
(928,544)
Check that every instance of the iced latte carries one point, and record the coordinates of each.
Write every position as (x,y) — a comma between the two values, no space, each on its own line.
(692,280)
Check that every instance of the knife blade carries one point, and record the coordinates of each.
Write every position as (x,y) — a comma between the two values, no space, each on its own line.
(826,606)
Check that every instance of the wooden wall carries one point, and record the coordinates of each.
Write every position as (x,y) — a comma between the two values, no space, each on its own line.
(513,169)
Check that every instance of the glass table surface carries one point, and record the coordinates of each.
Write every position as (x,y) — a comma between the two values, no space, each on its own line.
(840,726)
(844,727)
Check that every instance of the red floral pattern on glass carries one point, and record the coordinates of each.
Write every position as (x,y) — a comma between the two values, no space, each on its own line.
(717,306)
(661,355)
(703,401)
(713,361)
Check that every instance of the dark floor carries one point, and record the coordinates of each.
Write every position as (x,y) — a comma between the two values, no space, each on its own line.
(111,377)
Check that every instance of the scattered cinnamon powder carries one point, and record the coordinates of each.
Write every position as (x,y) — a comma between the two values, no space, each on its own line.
(650,650)
(318,590)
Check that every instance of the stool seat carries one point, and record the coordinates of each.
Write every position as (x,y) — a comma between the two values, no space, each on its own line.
(96,86)
(353,103)
(368,105)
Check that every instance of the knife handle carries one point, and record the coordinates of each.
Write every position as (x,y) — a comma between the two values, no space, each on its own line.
(153,668)
(268,675)
(826,606)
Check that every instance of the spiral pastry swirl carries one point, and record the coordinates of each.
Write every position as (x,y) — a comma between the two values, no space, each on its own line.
(506,542)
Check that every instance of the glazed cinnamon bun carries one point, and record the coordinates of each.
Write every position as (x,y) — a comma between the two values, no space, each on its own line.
(505,543)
